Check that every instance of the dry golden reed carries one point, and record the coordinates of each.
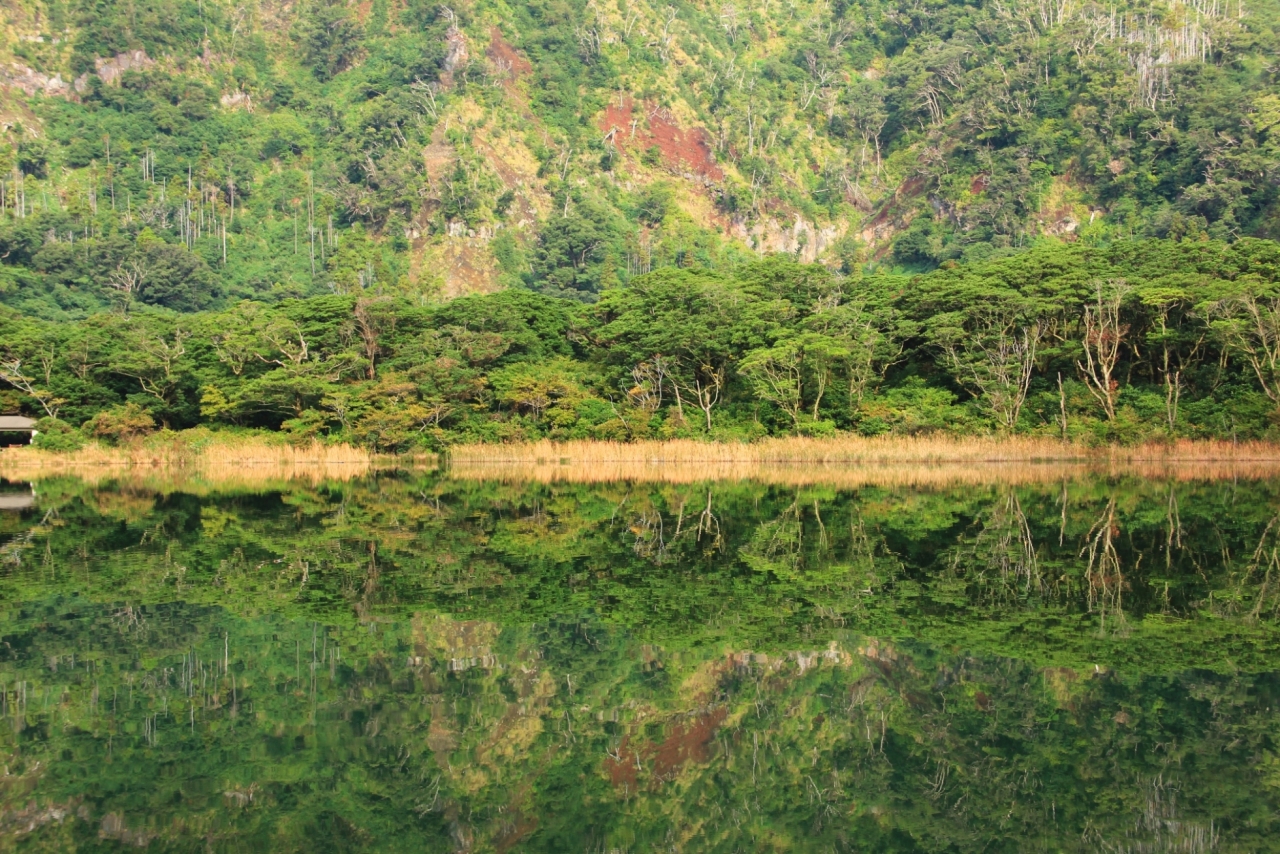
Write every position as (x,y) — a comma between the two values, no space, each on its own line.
(861,449)
(231,461)
(851,462)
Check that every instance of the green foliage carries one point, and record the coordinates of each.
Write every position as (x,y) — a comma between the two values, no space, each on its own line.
(256,141)
(120,423)
(305,161)
(56,435)
(1004,345)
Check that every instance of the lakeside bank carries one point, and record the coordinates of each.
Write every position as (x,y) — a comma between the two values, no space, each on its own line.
(844,461)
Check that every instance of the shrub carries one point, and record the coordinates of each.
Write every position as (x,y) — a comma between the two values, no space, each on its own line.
(120,423)
(53,434)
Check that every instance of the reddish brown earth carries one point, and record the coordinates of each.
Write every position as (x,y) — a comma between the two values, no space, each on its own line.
(639,130)
(686,742)
(504,55)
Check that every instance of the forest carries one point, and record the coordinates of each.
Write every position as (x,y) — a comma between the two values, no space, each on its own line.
(1137,341)
(406,225)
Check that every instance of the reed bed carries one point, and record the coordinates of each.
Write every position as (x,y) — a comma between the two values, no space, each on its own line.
(857,476)
(234,461)
(852,462)
(859,449)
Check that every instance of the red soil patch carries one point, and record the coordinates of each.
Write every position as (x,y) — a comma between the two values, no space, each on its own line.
(910,188)
(520,828)
(511,65)
(689,149)
(686,743)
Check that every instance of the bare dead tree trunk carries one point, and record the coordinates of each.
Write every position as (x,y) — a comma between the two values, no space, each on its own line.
(997,360)
(1103,337)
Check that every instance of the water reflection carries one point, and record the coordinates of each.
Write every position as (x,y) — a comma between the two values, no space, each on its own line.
(16,496)
(414,663)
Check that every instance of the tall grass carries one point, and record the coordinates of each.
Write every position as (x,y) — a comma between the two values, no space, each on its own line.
(843,450)
(932,474)
(232,459)
(851,462)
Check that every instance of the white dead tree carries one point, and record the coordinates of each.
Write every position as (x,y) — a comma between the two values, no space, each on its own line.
(996,359)
(1250,327)
(1104,335)
(126,281)
(12,372)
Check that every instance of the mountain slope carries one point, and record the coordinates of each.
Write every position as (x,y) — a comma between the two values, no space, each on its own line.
(298,148)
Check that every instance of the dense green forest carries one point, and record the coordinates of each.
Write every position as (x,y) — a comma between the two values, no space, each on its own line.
(400,662)
(1032,216)
(1134,341)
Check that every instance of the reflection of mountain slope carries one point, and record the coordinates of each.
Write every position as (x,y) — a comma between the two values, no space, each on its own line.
(193,722)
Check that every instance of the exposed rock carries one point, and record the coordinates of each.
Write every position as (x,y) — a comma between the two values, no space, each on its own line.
(237,100)
(456,54)
(114,827)
(805,240)
(111,70)
(15,823)
(33,82)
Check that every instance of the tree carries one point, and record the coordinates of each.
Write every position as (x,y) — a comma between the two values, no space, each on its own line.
(1177,336)
(1249,326)
(868,349)
(120,423)
(152,356)
(696,322)
(573,246)
(126,282)
(167,275)
(330,38)
(12,372)
(1103,337)
(774,374)
(374,318)
(995,356)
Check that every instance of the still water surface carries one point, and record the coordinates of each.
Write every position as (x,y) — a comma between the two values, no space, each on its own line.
(409,662)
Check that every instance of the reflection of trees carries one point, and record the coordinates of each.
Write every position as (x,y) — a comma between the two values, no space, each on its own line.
(1253,592)
(1104,578)
(649,526)
(1160,825)
(507,725)
(978,564)
(838,570)
(1004,554)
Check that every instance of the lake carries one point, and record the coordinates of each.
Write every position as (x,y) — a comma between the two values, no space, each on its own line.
(417,661)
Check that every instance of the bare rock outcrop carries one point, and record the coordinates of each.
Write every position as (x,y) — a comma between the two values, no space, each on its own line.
(111,70)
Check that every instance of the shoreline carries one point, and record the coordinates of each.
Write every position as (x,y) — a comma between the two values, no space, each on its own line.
(846,461)
(855,462)
(201,447)
(200,455)
(847,450)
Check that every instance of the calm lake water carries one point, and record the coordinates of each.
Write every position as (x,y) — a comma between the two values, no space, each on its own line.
(409,662)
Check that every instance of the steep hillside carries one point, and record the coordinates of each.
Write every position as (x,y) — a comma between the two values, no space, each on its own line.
(189,154)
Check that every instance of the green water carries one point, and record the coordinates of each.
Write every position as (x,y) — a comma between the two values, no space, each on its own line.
(413,663)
